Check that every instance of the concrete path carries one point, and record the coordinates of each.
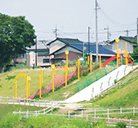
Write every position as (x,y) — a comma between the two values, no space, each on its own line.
(102,84)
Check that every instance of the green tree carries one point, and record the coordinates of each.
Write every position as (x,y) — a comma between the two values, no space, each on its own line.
(135,53)
(16,34)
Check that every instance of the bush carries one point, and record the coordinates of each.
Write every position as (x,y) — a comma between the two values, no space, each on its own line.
(72,63)
(120,125)
(103,61)
(115,81)
(85,73)
(72,79)
(58,64)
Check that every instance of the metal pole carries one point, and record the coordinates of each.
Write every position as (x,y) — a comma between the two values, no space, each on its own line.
(117,40)
(66,67)
(96,24)
(36,52)
(53,72)
(89,40)
(40,86)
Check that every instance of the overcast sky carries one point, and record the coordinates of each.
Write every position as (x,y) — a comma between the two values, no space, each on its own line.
(73,17)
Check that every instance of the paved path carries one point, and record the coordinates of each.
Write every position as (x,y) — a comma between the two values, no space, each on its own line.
(102,84)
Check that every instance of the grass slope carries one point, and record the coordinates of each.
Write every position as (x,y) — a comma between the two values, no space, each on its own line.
(126,96)
(48,122)
(7,80)
(8,109)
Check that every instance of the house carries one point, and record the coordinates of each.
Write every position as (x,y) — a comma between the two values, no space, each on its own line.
(58,47)
(121,44)
(75,47)
(37,55)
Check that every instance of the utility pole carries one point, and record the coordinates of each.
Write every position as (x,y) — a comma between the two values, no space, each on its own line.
(36,52)
(127,31)
(88,39)
(137,30)
(55,31)
(108,34)
(96,25)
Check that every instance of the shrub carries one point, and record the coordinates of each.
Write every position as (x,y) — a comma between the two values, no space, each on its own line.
(72,79)
(58,64)
(103,61)
(115,81)
(120,125)
(72,63)
(85,73)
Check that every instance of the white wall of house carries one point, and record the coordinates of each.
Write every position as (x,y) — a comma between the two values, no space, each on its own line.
(68,48)
(55,46)
(121,46)
(32,58)
(43,61)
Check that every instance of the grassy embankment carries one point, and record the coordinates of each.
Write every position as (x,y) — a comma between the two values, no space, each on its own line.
(48,122)
(124,96)
(7,83)
(7,80)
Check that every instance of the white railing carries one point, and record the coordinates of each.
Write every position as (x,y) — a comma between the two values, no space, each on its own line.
(109,121)
(90,114)
(104,112)
(29,102)
(28,114)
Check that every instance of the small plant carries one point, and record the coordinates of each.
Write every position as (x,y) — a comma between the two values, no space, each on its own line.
(10,77)
(85,73)
(120,125)
(103,61)
(56,88)
(115,81)
(58,64)
(72,79)
(72,63)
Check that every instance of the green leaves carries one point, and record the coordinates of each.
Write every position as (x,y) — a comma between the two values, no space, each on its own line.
(16,34)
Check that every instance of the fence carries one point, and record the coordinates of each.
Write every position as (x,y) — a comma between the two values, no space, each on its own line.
(94,77)
(90,115)
(31,102)
(28,114)
(104,112)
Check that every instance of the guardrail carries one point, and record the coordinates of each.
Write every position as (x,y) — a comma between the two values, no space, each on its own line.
(29,102)
(90,114)
(104,112)
(88,117)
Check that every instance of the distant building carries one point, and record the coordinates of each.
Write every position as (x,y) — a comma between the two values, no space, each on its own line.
(121,44)
(45,54)
(75,47)
(37,55)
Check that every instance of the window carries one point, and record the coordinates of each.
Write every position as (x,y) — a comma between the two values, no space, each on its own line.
(45,60)
(20,56)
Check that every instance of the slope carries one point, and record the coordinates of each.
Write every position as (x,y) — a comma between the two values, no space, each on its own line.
(125,95)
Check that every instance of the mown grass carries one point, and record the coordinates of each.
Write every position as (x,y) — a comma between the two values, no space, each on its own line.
(8,109)
(7,80)
(124,96)
(7,83)
(15,121)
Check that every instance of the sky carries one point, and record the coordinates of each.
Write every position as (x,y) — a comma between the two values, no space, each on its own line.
(72,18)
